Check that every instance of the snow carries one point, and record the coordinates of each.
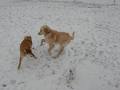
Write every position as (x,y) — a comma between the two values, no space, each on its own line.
(97,1)
(90,62)
(118,2)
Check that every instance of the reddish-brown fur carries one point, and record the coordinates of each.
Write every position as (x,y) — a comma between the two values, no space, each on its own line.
(25,48)
(53,37)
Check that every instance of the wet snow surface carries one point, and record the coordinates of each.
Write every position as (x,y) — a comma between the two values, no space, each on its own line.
(90,62)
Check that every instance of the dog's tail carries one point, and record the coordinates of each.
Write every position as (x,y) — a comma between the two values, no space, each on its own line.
(73,34)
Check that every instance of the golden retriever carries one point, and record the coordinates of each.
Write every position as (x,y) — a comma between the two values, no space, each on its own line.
(53,37)
(25,49)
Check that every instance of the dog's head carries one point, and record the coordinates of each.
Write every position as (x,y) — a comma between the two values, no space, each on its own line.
(28,38)
(45,29)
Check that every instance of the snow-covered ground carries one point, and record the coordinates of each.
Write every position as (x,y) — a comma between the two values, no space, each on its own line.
(90,62)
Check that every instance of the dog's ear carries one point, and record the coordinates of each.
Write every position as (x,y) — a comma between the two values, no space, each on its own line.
(55,37)
(47,31)
(46,26)
(28,37)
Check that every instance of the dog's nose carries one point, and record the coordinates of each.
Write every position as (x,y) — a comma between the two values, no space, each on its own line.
(38,33)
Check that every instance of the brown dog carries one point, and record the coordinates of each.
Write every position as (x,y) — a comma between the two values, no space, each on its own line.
(25,48)
(53,37)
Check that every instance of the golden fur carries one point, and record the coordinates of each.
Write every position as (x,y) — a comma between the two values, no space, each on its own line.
(53,37)
(25,48)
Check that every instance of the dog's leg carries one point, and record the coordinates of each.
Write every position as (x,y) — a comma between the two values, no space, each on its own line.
(61,50)
(51,46)
(29,51)
(33,55)
(43,40)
